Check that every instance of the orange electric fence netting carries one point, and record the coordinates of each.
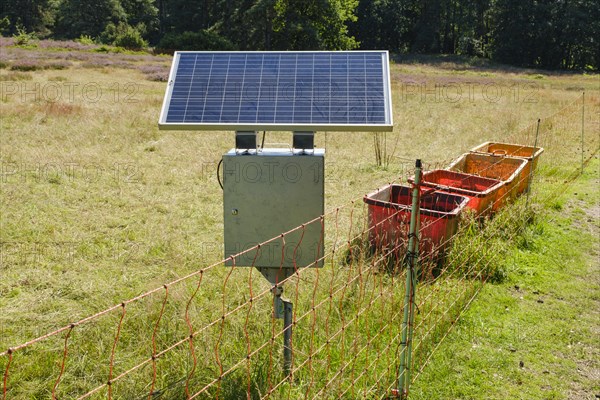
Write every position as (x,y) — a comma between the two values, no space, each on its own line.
(212,334)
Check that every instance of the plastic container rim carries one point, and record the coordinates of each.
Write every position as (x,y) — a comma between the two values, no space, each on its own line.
(426,211)
(536,154)
(455,189)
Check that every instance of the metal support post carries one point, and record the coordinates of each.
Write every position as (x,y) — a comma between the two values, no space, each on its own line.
(283,309)
(277,302)
(287,337)
(411,274)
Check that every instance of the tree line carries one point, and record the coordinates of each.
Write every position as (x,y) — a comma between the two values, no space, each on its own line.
(553,34)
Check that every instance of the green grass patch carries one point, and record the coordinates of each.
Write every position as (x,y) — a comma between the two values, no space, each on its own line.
(534,335)
(99,206)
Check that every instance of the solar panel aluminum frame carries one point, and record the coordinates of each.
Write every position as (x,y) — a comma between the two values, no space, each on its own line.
(313,127)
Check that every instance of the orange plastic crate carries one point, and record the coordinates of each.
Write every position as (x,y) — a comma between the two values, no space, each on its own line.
(482,192)
(507,169)
(389,218)
(529,153)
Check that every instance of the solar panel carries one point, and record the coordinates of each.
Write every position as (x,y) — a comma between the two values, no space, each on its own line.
(294,91)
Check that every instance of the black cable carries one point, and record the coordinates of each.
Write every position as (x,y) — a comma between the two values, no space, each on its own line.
(218,173)
(262,145)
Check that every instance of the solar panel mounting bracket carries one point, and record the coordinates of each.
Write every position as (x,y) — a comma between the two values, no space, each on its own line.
(245,141)
(303,141)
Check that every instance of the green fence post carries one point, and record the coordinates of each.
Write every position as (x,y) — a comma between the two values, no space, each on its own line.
(407,322)
(582,129)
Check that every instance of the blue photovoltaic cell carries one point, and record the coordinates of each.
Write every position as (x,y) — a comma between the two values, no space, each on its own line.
(262,90)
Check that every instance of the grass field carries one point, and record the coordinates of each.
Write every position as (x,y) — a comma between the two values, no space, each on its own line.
(534,336)
(98,205)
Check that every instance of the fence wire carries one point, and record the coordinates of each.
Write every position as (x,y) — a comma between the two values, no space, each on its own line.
(213,333)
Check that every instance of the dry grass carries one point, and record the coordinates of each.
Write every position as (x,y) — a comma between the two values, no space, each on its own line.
(99,206)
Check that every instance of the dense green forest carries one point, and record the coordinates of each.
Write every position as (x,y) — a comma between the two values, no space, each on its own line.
(554,34)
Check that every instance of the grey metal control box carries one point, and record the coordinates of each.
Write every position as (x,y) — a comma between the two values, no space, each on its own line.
(267,193)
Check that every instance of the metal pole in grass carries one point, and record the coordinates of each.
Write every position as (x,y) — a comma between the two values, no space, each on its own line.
(287,337)
(414,265)
(537,134)
(405,356)
(283,309)
(582,128)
